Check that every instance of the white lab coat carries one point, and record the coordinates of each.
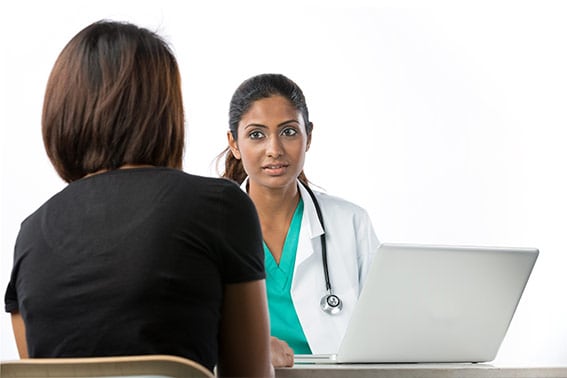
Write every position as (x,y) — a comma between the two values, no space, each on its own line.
(351,245)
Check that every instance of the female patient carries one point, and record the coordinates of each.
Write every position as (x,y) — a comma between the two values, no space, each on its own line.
(134,256)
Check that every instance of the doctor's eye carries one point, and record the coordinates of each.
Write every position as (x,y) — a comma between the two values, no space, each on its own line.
(289,131)
(255,134)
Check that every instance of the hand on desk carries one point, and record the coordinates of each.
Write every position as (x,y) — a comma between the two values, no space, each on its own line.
(282,354)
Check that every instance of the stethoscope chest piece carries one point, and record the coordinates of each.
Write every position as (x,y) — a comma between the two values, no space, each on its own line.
(331,304)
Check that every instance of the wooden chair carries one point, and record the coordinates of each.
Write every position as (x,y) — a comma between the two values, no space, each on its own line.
(127,366)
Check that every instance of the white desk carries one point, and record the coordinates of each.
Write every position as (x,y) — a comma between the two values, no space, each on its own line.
(420,371)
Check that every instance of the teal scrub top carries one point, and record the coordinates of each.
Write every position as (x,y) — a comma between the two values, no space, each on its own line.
(284,322)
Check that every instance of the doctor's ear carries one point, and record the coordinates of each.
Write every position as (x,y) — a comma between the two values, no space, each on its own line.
(309,129)
(233,145)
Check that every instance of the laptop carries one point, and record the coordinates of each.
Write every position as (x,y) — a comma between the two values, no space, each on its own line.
(427,303)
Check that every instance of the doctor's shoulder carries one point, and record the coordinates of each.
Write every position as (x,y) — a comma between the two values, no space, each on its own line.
(340,207)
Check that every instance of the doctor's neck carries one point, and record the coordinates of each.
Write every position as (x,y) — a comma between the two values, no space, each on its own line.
(274,201)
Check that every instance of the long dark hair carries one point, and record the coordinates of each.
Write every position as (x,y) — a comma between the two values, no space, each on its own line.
(251,90)
(113,98)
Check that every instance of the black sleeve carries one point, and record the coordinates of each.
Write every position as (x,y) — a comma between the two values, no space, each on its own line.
(10,298)
(11,295)
(243,253)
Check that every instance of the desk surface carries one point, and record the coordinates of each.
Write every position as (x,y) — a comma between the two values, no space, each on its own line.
(419,370)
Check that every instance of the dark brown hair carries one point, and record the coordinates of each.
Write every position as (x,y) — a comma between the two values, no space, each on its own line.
(113,98)
(251,90)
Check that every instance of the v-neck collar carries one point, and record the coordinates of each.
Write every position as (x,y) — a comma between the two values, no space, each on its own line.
(282,272)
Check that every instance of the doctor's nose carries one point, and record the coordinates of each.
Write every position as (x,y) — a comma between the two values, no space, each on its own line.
(274,147)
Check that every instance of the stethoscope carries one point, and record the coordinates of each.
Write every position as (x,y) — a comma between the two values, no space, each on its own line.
(330,303)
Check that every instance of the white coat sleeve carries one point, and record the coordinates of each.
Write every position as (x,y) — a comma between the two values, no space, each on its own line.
(367,245)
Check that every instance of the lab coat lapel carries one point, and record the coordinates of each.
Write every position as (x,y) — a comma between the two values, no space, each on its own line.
(311,228)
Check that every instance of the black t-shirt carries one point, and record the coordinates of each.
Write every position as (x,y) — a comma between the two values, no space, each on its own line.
(133,261)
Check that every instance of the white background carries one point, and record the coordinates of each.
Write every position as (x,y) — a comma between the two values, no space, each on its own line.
(444,119)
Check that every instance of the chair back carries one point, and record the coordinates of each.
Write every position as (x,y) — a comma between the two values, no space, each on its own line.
(123,366)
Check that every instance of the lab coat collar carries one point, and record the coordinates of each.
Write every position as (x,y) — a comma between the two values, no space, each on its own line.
(311,230)
(315,227)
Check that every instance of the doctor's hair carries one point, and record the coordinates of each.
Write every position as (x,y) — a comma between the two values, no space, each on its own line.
(251,90)
(113,98)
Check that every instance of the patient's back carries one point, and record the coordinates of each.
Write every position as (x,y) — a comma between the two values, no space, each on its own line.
(133,261)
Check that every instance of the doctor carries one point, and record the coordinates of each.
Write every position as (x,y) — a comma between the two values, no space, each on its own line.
(318,248)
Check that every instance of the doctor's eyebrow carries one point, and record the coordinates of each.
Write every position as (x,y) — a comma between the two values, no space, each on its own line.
(285,123)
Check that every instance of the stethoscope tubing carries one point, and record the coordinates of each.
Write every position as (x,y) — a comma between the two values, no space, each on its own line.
(330,303)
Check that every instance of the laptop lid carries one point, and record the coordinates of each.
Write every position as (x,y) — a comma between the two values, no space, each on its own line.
(425,303)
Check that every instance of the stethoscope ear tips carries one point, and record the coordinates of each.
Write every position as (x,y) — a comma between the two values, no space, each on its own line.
(331,304)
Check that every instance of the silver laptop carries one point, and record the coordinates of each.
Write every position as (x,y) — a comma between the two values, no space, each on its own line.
(425,303)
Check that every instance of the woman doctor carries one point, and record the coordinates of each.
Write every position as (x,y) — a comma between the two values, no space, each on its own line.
(269,134)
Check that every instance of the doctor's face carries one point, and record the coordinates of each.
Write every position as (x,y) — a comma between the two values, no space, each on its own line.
(272,141)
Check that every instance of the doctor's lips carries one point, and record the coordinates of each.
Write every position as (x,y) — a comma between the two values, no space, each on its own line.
(275,168)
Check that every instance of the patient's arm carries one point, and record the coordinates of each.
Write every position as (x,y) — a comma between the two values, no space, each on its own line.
(244,349)
(20,334)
